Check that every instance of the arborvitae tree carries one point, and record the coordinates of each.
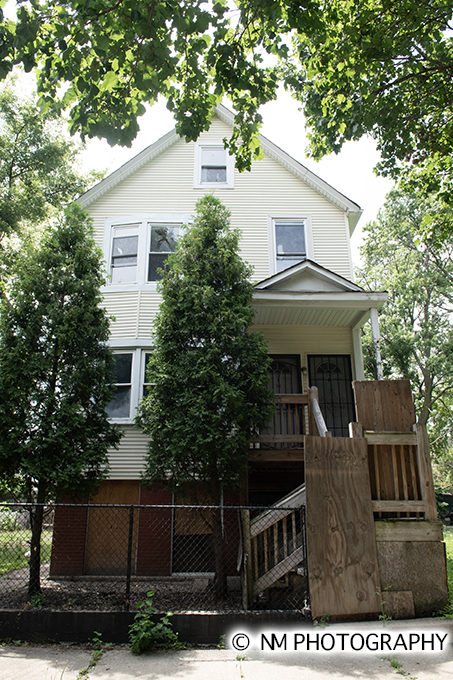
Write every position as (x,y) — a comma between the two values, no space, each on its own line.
(210,373)
(55,372)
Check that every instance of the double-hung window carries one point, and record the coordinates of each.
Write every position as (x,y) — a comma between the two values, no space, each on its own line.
(120,406)
(137,247)
(124,259)
(213,166)
(130,380)
(163,238)
(145,382)
(290,242)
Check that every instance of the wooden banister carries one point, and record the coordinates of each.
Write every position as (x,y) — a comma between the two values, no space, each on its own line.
(316,415)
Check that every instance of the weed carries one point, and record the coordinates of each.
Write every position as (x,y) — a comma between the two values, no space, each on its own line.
(322,621)
(96,655)
(383,616)
(222,642)
(37,601)
(96,641)
(145,634)
(394,663)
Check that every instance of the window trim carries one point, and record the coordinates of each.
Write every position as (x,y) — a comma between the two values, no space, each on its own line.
(129,418)
(198,184)
(273,220)
(142,223)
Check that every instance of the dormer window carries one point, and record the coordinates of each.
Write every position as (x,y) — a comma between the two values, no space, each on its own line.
(290,243)
(213,166)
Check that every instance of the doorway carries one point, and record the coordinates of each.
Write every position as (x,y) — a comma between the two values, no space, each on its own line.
(332,375)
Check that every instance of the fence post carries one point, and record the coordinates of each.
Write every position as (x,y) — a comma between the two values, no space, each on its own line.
(129,557)
(247,592)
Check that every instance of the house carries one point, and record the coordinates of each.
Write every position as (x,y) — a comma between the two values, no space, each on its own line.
(296,232)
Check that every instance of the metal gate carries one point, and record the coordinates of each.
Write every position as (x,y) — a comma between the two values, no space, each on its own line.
(332,375)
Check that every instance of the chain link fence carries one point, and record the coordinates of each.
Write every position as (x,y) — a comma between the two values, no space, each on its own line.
(194,558)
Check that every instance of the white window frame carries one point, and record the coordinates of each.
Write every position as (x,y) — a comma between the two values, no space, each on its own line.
(142,225)
(137,372)
(119,231)
(229,162)
(272,222)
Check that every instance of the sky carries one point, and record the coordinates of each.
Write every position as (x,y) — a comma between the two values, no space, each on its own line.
(350,172)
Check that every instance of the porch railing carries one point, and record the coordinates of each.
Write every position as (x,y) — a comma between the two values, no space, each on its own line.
(295,416)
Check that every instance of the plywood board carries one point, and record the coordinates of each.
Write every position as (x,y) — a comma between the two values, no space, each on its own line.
(341,543)
(108,529)
(404,530)
(384,405)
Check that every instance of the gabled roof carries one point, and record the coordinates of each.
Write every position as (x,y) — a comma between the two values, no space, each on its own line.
(308,276)
(310,294)
(352,210)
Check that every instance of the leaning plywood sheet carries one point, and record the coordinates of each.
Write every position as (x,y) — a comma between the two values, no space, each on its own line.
(384,405)
(341,543)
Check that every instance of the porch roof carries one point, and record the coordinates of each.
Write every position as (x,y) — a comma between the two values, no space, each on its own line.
(309,294)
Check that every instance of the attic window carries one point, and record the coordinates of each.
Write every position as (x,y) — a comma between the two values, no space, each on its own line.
(213,167)
(290,243)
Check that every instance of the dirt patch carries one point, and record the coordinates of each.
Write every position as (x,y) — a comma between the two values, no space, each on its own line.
(177,594)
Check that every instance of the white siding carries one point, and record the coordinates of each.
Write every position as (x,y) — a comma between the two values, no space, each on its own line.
(166,185)
(128,461)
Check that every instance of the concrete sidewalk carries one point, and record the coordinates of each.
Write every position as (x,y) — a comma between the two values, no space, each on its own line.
(62,662)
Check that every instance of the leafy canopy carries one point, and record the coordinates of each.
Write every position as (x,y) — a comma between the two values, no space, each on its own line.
(373,66)
(38,162)
(210,372)
(55,366)
(401,257)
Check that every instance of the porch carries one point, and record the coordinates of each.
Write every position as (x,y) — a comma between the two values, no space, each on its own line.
(373,539)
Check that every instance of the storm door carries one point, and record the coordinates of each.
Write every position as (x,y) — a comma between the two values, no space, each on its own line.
(284,374)
(285,378)
(332,375)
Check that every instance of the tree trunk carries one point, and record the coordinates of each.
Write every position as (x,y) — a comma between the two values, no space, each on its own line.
(34,584)
(220,578)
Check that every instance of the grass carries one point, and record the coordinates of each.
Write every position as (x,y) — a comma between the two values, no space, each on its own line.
(15,544)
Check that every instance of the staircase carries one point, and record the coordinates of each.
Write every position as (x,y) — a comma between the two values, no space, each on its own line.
(275,555)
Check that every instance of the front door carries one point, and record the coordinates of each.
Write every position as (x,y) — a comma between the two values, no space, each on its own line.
(332,375)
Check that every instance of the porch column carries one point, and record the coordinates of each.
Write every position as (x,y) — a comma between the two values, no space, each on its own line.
(358,353)
(376,341)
